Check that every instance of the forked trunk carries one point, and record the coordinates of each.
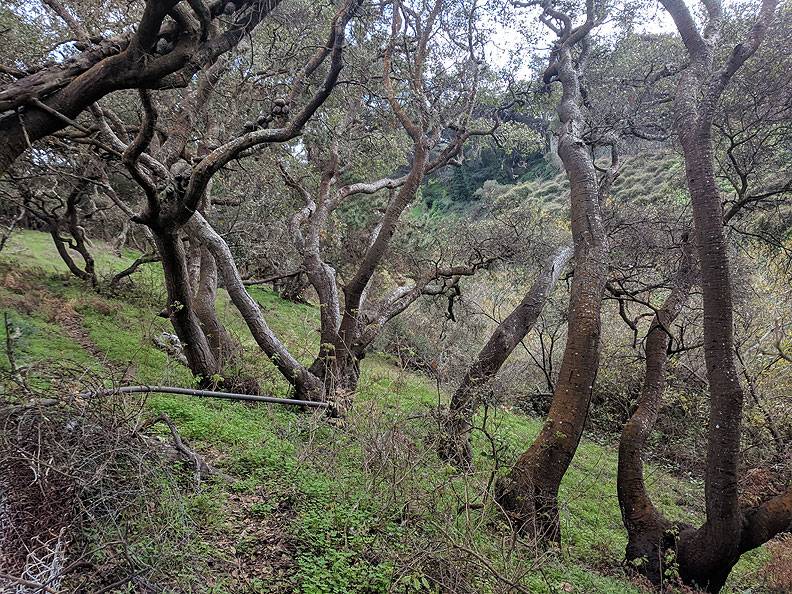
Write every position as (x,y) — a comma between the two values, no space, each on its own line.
(77,241)
(339,378)
(306,385)
(63,248)
(707,555)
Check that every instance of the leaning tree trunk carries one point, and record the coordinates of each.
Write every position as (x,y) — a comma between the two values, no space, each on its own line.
(649,533)
(77,241)
(78,234)
(306,385)
(456,447)
(530,492)
(347,347)
(180,306)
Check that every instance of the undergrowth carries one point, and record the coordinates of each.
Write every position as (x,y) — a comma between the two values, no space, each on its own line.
(307,506)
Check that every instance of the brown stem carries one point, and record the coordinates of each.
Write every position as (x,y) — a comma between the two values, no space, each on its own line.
(199,355)
(456,448)
(530,492)
(647,530)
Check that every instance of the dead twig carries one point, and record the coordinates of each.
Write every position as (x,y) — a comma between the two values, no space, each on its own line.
(201,467)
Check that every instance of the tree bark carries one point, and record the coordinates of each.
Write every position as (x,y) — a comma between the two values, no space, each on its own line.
(707,555)
(306,385)
(530,492)
(349,329)
(63,251)
(225,347)
(456,447)
(180,306)
(649,534)
(77,241)
(78,234)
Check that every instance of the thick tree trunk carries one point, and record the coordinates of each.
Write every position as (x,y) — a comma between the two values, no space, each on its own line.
(649,534)
(530,492)
(339,378)
(707,556)
(766,521)
(456,447)
(180,306)
(225,347)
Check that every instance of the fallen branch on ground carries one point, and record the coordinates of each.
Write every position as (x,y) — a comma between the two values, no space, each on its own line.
(201,467)
(204,394)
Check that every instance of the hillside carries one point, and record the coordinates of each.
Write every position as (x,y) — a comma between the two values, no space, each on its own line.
(307,506)
(645,178)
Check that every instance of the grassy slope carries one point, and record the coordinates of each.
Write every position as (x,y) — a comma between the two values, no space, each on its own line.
(362,508)
(644,180)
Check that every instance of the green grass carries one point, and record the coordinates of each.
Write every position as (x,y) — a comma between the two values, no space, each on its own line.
(648,179)
(36,250)
(368,506)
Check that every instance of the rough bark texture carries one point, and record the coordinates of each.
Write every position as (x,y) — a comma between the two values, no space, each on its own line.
(348,328)
(707,555)
(456,447)
(180,308)
(530,492)
(649,534)
(169,210)
(224,347)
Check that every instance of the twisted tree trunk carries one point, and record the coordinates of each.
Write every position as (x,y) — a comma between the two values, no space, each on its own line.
(707,555)
(77,242)
(530,491)
(225,347)
(306,385)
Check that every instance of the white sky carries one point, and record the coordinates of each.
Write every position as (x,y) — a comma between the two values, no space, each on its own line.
(509,37)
